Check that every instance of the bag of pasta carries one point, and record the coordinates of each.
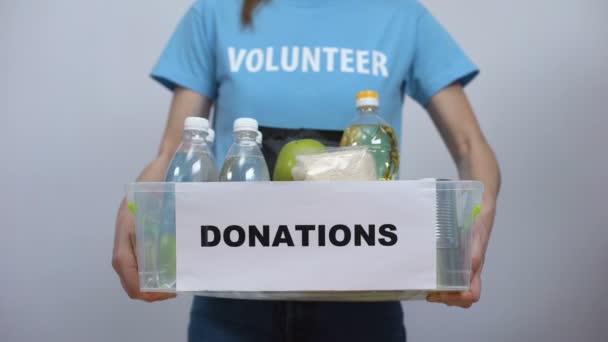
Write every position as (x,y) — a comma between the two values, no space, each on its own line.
(344,163)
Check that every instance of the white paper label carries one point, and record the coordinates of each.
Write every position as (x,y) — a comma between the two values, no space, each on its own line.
(306,236)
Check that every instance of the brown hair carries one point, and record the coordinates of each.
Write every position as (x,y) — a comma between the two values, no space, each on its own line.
(247,11)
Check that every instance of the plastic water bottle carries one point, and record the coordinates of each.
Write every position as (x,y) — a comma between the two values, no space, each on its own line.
(210,141)
(192,162)
(210,138)
(258,139)
(244,161)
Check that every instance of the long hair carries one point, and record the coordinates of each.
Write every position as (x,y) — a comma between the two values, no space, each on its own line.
(249,7)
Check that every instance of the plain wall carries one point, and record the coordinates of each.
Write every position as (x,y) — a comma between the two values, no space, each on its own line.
(80,118)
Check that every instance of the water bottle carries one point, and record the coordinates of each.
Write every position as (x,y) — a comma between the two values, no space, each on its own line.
(210,141)
(371,130)
(210,138)
(258,139)
(192,162)
(244,161)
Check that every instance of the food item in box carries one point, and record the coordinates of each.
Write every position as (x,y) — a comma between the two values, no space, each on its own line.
(371,130)
(353,163)
(287,157)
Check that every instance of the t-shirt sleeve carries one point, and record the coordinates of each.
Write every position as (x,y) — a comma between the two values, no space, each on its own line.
(438,61)
(188,60)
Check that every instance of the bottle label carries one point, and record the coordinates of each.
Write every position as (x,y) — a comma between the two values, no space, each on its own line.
(306,236)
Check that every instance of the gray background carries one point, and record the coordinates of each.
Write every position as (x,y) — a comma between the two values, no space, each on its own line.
(80,118)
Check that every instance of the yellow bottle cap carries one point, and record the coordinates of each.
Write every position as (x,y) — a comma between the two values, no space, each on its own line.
(367,98)
(367,94)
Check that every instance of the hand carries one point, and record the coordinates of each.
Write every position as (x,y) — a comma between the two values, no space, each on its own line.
(124,261)
(481,234)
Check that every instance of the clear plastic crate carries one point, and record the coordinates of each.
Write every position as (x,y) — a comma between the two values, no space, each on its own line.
(153,204)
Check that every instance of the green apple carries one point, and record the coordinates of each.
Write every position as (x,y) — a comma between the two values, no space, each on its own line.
(287,157)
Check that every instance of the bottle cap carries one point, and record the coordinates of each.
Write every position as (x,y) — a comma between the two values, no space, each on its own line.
(258,139)
(245,124)
(211,136)
(195,123)
(367,98)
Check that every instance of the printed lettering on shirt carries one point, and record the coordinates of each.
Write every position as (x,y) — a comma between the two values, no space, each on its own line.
(308,59)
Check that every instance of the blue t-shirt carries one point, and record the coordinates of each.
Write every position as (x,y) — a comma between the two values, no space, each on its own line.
(302,62)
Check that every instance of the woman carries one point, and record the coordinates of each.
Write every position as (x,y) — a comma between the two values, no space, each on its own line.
(295,66)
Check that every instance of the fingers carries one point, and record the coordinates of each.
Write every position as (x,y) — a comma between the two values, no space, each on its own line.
(125,265)
(477,263)
(461,299)
(124,261)
(156,296)
(481,231)
(476,288)
(477,252)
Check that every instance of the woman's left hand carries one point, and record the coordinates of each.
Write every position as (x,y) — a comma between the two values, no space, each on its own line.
(481,229)
(454,118)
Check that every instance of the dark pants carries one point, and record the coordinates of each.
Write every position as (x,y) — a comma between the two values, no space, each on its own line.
(231,320)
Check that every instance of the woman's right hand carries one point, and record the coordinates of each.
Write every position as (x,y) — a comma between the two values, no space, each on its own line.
(124,260)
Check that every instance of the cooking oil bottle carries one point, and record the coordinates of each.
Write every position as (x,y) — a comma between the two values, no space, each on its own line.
(369,129)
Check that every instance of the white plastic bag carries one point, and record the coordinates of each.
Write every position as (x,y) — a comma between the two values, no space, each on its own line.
(344,163)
